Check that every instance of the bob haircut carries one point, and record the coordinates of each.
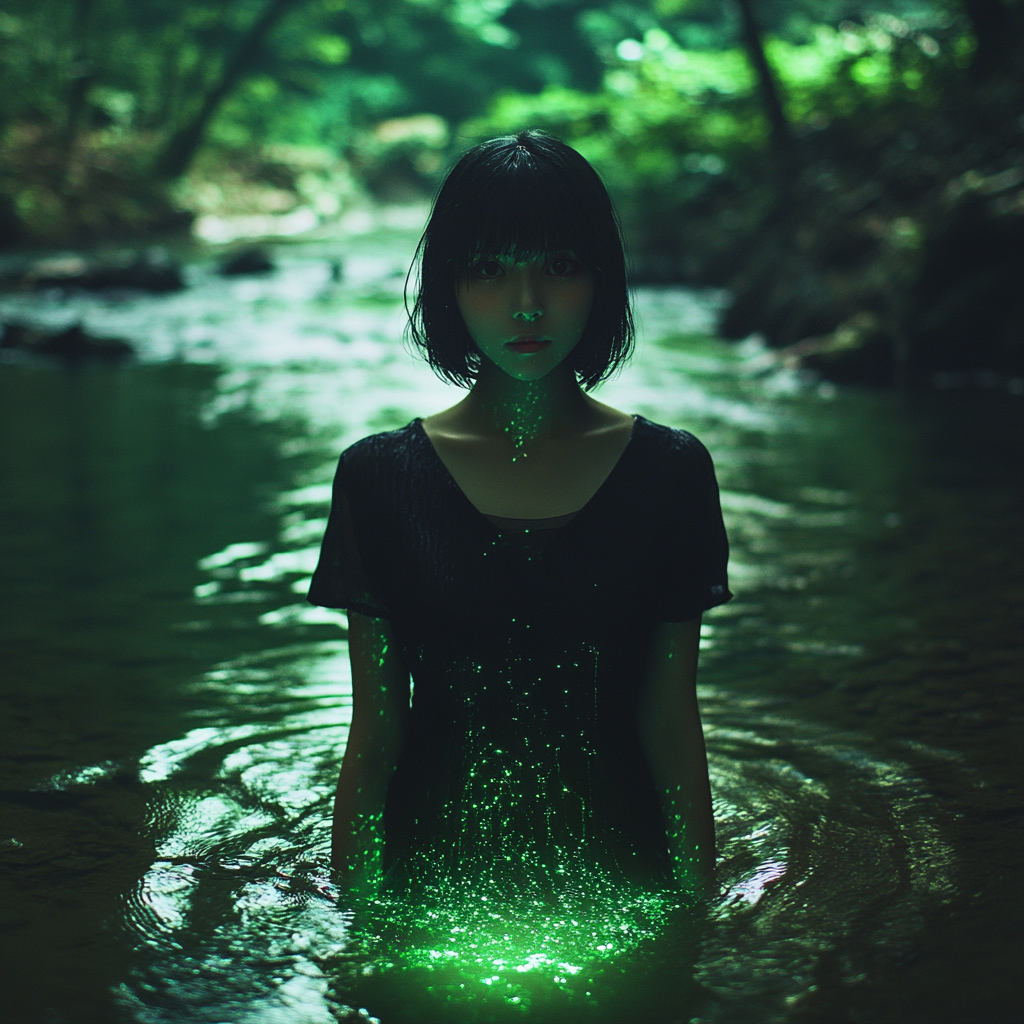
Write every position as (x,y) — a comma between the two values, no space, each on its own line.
(520,197)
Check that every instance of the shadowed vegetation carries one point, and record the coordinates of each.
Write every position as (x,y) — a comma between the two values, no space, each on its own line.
(853,175)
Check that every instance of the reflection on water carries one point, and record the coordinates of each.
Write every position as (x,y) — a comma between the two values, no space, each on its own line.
(820,842)
(182,711)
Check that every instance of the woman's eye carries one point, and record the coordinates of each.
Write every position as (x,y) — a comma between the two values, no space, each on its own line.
(562,266)
(489,269)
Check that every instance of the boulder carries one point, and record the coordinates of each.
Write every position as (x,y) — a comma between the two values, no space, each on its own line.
(72,346)
(141,273)
(249,260)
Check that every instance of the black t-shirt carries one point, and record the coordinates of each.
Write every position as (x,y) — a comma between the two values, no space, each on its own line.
(527,650)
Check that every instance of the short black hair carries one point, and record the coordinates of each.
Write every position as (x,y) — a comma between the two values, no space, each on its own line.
(520,196)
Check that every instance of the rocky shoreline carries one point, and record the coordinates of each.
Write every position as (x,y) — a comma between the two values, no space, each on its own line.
(891,251)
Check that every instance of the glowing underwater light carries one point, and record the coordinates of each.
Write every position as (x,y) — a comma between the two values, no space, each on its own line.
(472,945)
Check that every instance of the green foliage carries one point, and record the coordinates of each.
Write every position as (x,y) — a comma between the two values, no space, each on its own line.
(671,123)
(145,85)
(659,94)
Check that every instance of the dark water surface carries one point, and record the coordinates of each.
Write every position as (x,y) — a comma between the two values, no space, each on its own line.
(174,714)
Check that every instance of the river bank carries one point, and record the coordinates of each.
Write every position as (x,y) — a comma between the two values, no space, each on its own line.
(885,249)
(894,252)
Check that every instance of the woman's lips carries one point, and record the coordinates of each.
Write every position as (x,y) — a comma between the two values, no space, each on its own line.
(527,343)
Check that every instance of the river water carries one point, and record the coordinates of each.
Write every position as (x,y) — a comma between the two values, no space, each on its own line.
(174,713)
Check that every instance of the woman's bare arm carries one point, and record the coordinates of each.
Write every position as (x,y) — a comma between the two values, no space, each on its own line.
(673,741)
(380,705)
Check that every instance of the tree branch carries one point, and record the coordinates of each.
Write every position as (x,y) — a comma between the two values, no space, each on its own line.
(182,147)
(782,134)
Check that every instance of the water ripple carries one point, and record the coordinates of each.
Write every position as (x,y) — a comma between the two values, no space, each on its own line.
(826,848)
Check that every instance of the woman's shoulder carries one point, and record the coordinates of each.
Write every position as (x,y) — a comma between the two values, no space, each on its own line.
(386,446)
(380,460)
(672,444)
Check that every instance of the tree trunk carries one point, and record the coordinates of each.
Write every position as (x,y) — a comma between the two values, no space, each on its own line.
(182,146)
(81,78)
(782,135)
(998,31)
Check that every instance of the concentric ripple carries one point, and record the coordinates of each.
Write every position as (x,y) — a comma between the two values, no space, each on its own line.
(237,919)
(828,852)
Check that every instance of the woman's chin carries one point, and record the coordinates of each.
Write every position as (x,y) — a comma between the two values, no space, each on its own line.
(528,367)
(528,376)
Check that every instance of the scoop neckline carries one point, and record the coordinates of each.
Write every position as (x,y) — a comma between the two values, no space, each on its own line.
(637,418)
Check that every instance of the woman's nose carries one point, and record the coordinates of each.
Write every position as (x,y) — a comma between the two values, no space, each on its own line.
(526,303)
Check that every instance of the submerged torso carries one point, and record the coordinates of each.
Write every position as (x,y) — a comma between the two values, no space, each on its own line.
(522,766)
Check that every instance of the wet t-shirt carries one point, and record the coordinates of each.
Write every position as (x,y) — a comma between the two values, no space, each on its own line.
(522,762)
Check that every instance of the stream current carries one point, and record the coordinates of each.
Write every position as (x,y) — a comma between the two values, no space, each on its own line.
(174,713)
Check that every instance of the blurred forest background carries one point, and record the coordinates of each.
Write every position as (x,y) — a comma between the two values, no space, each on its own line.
(853,175)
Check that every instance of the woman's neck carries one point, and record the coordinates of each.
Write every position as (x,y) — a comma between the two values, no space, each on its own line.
(526,411)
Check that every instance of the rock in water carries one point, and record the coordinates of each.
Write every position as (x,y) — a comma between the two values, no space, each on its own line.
(252,259)
(72,347)
(140,274)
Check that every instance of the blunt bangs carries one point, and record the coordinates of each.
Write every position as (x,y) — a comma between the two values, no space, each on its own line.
(520,197)
(521,213)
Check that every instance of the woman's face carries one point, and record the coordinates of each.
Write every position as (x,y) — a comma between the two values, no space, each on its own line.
(526,317)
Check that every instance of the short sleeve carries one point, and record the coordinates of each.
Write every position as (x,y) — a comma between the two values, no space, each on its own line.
(340,579)
(697,548)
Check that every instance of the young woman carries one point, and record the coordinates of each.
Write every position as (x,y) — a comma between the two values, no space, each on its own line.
(535,560)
